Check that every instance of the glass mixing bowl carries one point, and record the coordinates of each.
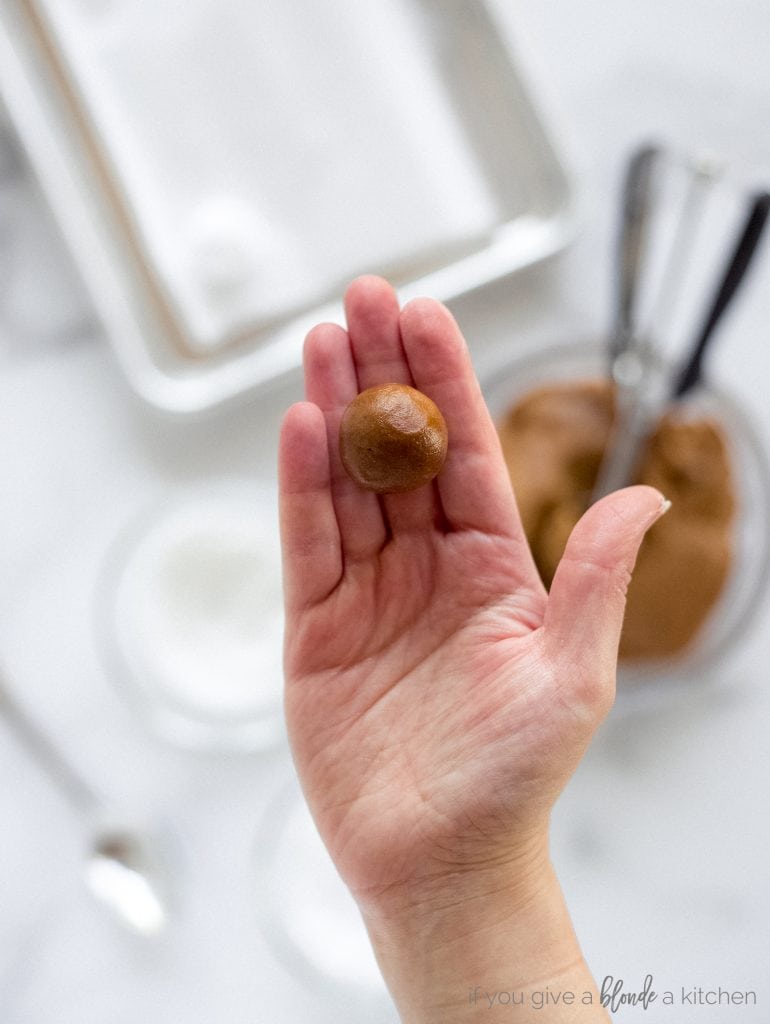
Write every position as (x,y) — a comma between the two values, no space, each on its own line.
(189,616)
(741,595)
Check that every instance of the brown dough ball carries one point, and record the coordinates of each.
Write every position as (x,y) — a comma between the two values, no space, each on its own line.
(392,439)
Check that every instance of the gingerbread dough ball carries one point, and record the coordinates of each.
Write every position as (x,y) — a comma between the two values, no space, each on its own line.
(392,439)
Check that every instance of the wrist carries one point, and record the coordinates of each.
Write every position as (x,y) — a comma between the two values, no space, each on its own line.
(459,890)
(478,939)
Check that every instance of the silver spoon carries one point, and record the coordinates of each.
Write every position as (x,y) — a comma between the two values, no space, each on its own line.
(636,426)
(632,361)
(628,356)
(636,204)
(120,869)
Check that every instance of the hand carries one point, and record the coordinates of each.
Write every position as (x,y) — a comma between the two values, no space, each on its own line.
(437,698)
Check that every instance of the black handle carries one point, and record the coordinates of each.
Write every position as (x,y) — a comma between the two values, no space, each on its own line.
(735,271)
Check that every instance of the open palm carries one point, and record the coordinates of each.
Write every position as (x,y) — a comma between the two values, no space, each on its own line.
(437,698)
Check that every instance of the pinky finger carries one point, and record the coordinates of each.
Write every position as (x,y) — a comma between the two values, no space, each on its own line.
(310,537)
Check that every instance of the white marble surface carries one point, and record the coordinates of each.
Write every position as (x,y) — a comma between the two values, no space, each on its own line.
(661,839)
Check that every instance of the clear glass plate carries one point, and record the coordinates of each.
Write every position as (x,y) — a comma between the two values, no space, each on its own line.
(190,616)
(308,917)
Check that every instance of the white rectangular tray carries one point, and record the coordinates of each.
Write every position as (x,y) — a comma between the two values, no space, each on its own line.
(221,168)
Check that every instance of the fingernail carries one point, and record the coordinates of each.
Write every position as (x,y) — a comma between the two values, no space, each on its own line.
(665,505)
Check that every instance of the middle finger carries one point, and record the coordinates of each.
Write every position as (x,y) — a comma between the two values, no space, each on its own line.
(373,312)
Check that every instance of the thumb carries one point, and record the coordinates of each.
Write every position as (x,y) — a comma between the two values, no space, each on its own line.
(584,614)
